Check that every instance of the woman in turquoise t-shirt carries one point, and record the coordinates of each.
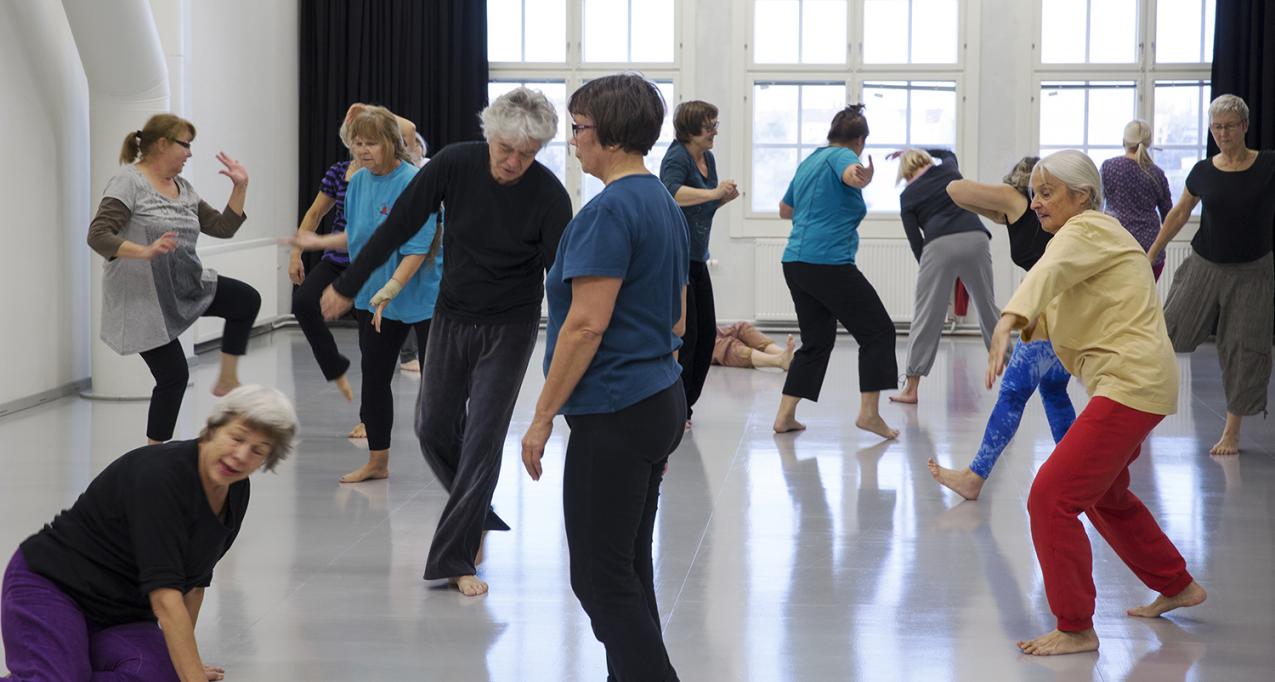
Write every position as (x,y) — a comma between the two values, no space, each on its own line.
(400,294)
(825,203)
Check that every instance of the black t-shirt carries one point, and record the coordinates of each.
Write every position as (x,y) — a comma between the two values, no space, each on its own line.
(144,523)
(498,240)
(1238,217)
(926,208)
(1027,239)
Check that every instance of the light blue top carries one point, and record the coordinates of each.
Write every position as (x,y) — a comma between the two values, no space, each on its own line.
(368,201)
(826,211)
(635,232)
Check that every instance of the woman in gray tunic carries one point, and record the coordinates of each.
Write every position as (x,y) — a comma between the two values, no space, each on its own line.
(154,286)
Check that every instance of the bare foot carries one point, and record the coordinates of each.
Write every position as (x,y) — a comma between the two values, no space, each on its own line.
(469,585)
(1193,595)
(1058,642)
(789,349)
(482,543)
(876,425)
(788,424)
(359,431)
(343,385)
(906,397)
(367,472)
(1227,445)
(963,482)
(687,425)
(224,386)
(412,366)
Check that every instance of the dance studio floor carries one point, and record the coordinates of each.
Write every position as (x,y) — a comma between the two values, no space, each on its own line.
(827,555)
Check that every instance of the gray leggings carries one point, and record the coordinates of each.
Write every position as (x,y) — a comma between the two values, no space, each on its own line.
(1236,297)
(966,255)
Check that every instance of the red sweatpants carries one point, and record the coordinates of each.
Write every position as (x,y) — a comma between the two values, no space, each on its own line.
(1089,472)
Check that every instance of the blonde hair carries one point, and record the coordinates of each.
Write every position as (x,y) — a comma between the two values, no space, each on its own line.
(1137,138)
(1075,171)
(380,125)
(911,163)
(139,143)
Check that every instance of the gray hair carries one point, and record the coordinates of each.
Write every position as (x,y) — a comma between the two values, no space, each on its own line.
(1075,171)
(262,409)
(520,116)
(1228,104)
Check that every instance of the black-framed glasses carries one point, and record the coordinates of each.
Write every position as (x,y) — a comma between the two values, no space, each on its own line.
(577,127)
(712,126)
(183,143)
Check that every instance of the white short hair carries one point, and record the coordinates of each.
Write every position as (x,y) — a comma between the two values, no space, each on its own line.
(1228,104)
(1075,171)
(262,408)
(520,116)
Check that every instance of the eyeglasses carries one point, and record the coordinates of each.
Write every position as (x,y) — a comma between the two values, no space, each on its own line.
(1224,127)
(183,143)
(577,127)
(711,126)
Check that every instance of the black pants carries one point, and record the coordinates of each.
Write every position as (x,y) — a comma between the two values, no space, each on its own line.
(823,296)
(305,308)
(469,384)
(610,490)
(696,353)
(234,301)
(379,362)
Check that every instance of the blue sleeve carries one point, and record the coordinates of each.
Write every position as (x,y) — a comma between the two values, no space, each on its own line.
(596,246)
(674,169)
(842,159)
(788,195)
(420,242)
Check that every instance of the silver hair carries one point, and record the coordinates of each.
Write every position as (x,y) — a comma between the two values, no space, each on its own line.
(1228,104)
(1075,171)
(419,158)
(520,116)
(263,409)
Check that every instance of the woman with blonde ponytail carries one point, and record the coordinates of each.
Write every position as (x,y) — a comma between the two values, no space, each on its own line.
(1136,189)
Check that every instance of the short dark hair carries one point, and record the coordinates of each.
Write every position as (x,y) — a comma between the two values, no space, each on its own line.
(848,125)
(627,110)
(690,119)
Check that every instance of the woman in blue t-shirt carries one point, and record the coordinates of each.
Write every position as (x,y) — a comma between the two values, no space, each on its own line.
(617,294)
(400,294)
(825,203)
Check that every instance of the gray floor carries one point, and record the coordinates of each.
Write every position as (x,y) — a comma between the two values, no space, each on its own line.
(821,556)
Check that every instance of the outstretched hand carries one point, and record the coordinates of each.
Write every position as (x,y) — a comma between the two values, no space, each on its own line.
(233,170)
(861,175)
(894,155)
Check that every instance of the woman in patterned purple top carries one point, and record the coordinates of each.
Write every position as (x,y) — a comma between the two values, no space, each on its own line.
(1136,189)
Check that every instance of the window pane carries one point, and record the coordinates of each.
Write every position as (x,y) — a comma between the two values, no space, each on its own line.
(590,186)
(652,35)
(554,157)
(1113,32)
(823,32)
(504,30)
(1178,114)
(1179,26)
(775,31)
(1062,31)
(1177,163)
(1100,154)
(882,194)
(546,30)
(883,42)
(887,112)
(774,113)
(606,30)
(1109,110)
(772,171)
(656,157)
(670,103)
(933,115)
(1062,115)
(935,28)
(819,103)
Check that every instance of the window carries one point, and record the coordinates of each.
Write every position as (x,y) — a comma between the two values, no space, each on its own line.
(1164,81)
(556,45)
(809,58)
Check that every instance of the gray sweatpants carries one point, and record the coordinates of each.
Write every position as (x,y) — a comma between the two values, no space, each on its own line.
(1237,298)
(966,255)
(469,384)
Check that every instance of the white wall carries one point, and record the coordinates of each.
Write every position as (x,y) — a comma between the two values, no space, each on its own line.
(238,84)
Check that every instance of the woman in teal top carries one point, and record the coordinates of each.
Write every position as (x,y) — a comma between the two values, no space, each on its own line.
(400,294)
(825,203)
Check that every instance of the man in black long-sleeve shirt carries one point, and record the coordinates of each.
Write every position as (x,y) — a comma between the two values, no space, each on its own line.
(503,217)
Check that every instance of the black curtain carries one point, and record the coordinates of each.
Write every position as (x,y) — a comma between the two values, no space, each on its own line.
(1244,64)
(425,60)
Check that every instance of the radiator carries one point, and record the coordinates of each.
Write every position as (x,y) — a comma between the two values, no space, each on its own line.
(254,262)
(887,263)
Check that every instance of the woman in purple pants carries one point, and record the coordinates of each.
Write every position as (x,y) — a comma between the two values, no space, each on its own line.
(111,588)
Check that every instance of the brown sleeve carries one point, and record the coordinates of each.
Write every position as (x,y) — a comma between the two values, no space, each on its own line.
(220,224)
(104,230)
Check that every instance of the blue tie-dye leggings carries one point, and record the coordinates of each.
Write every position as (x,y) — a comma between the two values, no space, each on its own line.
(1032,364)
